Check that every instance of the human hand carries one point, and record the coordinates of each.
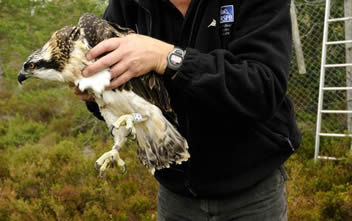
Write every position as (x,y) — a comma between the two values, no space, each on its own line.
(128,57)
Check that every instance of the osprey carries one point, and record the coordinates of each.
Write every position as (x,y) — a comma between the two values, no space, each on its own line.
(140,108)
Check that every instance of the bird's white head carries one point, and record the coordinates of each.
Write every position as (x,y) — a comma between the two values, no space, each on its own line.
(50,61)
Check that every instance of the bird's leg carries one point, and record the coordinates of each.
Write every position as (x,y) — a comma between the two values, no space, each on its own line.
(112,158)
(129,120)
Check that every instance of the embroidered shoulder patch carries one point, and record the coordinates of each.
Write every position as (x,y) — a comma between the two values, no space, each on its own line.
(227,14)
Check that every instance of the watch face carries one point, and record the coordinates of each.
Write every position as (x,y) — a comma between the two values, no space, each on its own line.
(175,59)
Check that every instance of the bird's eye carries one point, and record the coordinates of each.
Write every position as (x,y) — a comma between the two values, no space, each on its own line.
(31,65)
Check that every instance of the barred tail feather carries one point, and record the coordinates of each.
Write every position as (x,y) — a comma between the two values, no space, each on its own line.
(173,148)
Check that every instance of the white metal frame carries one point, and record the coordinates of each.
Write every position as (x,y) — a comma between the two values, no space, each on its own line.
(322,88)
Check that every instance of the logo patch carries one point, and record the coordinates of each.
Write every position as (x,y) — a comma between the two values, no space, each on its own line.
(226,14)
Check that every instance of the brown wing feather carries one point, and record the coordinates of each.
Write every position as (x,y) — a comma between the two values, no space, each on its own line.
(150,86)
(97,30)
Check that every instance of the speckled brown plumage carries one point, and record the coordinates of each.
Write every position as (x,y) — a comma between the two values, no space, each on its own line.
(61,44)
(97,30)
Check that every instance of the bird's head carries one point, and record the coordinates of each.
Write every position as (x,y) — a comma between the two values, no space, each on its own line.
(50,61)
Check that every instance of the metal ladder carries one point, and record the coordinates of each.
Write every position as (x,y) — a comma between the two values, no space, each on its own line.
(322,87)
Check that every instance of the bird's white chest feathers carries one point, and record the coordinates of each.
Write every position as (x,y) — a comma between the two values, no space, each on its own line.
(96,82)
(124,102)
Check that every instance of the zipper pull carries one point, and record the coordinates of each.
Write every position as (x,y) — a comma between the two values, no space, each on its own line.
(290,143)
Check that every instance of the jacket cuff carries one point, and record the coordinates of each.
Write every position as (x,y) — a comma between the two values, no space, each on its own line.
(188,70)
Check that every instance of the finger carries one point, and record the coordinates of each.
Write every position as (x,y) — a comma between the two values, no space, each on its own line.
(103,63)
(103,47)
(122,79)
(118,69)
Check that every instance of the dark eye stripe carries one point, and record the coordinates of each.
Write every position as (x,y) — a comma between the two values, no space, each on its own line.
(26,65)
(52,64)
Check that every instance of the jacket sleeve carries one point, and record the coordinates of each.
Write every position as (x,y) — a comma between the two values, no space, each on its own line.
(250,76)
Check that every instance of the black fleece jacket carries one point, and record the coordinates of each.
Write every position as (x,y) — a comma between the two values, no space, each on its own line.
(229,94)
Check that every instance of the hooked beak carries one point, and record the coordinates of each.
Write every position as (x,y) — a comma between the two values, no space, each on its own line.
(21,77)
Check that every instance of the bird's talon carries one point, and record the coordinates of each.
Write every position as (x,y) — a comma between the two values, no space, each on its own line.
(112,127)
(129,130)
(124,169)
(96,166)
(113,162)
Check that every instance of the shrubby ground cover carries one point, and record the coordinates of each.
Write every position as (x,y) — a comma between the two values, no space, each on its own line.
(49,143)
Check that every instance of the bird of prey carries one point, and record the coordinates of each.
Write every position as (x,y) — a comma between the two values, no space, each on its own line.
(140,108)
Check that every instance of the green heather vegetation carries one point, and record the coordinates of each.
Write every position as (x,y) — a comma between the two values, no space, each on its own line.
(49,142)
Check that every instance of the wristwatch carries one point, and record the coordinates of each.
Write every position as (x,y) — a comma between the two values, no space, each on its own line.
(174,61)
